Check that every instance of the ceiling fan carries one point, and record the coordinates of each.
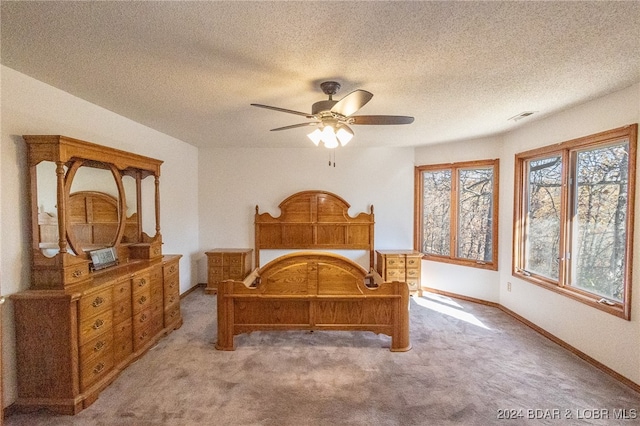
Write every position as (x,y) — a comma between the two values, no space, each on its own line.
(333,118)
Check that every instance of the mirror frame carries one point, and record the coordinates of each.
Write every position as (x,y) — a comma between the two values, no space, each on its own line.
(72,239)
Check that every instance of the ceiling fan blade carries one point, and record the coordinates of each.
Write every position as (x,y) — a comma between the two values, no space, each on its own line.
(380,119)
(293,126)
(304,114)
(352,102)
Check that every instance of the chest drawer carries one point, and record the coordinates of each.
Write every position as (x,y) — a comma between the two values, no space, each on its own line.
(95,302)
(395,262)
(142,319)
(215,259)
(122,342)
(141,300)
(95,368)
(91,328)
(413,262)
(395,275)
(170,269)
(121,310)
(171,314)
(96,347)
(122,291)
(140,283)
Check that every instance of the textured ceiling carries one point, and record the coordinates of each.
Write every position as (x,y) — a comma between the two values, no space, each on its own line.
(191,69)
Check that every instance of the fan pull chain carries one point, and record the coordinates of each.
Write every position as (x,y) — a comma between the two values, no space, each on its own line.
(333,151)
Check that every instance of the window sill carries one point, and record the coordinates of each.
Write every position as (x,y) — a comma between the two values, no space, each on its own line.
(461,262)
(617,309)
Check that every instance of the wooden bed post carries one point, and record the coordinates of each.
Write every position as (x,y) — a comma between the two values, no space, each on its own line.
(225,340)
(400,339)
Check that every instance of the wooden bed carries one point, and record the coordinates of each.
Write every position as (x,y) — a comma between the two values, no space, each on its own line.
(313,290)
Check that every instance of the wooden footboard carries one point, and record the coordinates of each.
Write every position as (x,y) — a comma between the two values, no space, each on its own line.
(313,291)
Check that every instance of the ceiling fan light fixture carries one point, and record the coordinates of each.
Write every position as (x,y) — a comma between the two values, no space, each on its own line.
(315,136)
(329,137)
(344,135)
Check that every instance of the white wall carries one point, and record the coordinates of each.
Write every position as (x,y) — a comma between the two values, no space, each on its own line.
(32,107)
(234,181)
(608,339)
(473,282)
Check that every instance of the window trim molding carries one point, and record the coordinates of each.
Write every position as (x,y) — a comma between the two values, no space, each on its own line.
(630,132)
(418,209)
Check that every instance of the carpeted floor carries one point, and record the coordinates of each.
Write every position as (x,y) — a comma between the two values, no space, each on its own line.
(470,365)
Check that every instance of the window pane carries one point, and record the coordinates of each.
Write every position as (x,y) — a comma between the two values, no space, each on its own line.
(599,223)
(475,215)
(436,209)
(542,229)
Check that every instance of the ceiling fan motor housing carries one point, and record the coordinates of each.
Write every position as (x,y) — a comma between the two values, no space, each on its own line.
(322,106)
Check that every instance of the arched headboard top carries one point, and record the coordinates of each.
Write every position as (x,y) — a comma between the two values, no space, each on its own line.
(314,220)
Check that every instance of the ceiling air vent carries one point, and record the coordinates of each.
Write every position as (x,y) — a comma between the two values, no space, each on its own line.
(521,115)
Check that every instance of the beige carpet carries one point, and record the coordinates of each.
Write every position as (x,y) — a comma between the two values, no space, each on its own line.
(469,363)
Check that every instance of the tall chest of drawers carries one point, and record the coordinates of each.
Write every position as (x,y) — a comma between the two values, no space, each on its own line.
(70,344)
(226,264)
(400,265)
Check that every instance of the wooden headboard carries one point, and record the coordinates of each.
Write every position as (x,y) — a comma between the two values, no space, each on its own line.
(316,220)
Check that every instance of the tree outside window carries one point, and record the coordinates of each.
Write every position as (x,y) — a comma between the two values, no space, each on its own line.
(457,211)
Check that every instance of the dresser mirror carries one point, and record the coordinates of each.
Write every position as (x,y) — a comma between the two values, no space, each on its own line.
(87,197)
(95,206)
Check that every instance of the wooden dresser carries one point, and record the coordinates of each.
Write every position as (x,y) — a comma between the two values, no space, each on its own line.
(400,265)
(102,292)
(226,264)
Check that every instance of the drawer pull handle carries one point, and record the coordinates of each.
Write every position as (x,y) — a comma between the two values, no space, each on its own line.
(172,269)
(171,299)
(143,318)
(142,300)
(77,273)
(97,302)
(98,368)
(156,250)
(99,346)
(99,323)
(142,282)
(143,335)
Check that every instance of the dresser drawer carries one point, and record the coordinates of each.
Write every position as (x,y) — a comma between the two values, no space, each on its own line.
(141,336)
(96,347)
(236,273)
(216,274)
(121,310)
(76,273)
(141,319)
(122,341)
(394,262)
(171,299)
(171,315)
(140,283)
(414,284)
(95,368)
(122,291)
(95,302)
(234,259)
(395,275)
(170,269)
(413,262)
(413,273)
(141,300)
(172,286)
(215,259)
(91,328)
